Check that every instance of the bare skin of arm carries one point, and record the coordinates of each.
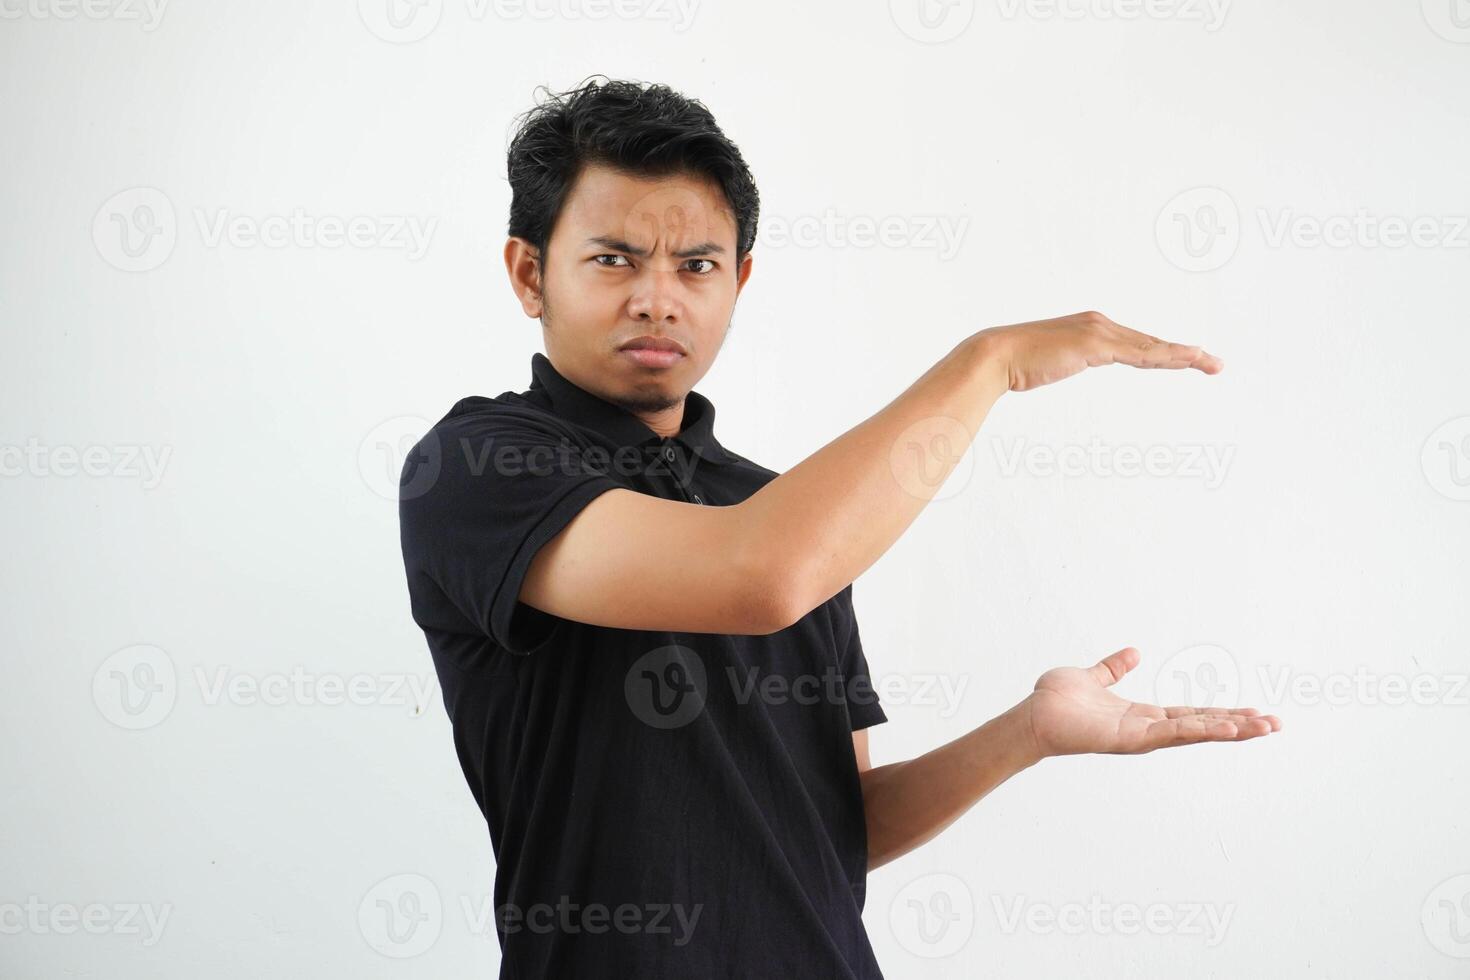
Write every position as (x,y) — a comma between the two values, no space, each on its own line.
(1070,711)
(758,566)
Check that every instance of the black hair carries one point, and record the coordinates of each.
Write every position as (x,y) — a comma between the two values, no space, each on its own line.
(645,130)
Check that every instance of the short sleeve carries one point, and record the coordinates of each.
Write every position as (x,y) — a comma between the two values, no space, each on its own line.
(478,497)
(863,706)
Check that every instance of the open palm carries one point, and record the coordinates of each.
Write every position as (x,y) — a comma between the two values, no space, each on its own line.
(1072,711)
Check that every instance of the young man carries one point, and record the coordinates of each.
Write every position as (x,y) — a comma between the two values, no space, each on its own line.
(646,641)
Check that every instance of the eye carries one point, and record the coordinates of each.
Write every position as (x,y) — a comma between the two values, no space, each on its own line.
(703,272)
(598,258)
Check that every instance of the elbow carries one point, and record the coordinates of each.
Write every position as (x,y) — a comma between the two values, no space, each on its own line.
(777,608)
(772,589)
(782,606)
(786,597)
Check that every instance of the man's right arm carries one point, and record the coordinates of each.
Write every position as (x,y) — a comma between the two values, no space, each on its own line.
(636,561)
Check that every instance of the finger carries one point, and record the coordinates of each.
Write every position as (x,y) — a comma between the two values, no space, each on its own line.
(1150,352)
(1254,728)
(1228,714)
(1209,363)
(1201,728)
(1177,711)
(1138,349)
(1190,729)
(1110,669)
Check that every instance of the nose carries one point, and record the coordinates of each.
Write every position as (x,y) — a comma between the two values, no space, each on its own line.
(656,298)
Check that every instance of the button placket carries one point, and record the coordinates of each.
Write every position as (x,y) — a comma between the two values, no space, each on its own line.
(670,454)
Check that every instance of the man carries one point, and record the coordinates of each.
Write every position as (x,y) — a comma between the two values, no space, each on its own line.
(646,641)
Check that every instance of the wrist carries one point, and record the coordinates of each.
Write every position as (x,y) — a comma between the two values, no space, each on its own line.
(987,355)
(1029,749)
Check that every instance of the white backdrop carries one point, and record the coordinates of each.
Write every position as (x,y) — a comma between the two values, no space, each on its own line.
(249,249)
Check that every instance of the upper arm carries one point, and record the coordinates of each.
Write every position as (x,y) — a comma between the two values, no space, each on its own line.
(860,749)
(510,527)
(518,533)
(635,561)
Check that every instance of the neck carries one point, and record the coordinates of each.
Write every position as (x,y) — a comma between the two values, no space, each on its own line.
(666,422)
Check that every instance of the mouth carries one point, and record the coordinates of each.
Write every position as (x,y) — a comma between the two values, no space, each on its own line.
(653,352)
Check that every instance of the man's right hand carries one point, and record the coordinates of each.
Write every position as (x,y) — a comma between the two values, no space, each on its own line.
(1043,351)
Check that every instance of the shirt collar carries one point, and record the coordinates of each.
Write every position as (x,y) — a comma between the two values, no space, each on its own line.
(578,405)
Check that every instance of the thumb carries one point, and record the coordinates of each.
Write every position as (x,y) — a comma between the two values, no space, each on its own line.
(1110,669)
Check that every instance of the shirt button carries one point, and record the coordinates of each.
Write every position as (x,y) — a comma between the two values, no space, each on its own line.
(698,499)
(669,453)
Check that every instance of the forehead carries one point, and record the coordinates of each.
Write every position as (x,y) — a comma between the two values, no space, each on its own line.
(678,207)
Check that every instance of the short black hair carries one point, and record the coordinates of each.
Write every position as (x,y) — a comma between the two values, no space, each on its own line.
(642,129)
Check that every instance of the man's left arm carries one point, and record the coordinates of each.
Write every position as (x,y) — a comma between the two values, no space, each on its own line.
(908,803)
(1071,711)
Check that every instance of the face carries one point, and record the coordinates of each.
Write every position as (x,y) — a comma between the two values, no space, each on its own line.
(634,260)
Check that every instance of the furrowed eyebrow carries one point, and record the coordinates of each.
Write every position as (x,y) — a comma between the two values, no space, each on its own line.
(618,245)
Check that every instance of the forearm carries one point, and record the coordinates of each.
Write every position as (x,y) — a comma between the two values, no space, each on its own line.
(908,803)
(825,521)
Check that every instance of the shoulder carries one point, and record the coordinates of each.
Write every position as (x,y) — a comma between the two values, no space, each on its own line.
(477,425)
(509,412)
(479,441)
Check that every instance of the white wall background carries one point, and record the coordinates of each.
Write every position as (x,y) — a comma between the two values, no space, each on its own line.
(195,503)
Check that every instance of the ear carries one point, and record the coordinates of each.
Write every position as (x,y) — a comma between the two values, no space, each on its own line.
(742,272)
(523,265)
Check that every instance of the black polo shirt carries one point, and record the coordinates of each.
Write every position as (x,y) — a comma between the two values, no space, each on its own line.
(661,804)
